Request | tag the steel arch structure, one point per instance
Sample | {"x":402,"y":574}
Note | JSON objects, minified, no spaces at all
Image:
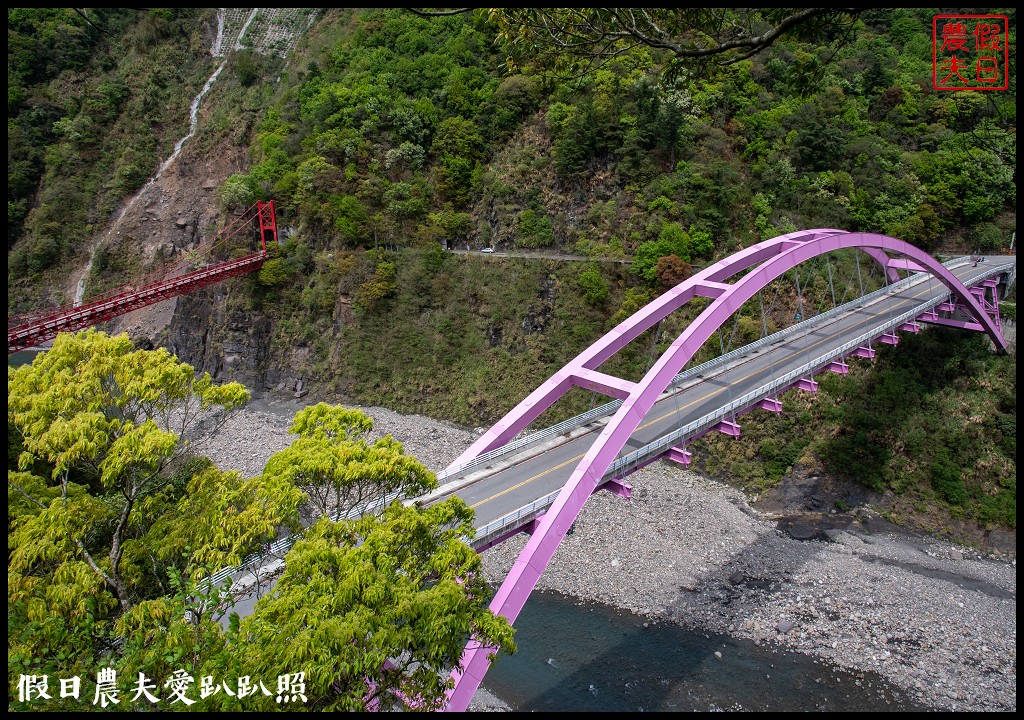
{"x":763,"y":263}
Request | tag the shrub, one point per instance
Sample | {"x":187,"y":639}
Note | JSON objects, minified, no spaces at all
{"x":594,"y":286}
{"x":274,"y":273}
{"x":43,"y":254}
{"x":534,"y":230}
{"x":946,"y":478}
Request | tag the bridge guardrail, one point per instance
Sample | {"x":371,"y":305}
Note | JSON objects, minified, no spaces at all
{"x":627,"y":464}
{"x":284,"y":544}
{"x":615,"y":470}
{"x":529,"y":440}
{"x":638,"y":456}
{"x":608,"y":408}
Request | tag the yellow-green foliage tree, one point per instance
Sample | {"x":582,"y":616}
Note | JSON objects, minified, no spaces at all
{"x":375,"y":612}
{"x":339,"y":471}
{"x":115,"y":529}
{"x":107,"y":508}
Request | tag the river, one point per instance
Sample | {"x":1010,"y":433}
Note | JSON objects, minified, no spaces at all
{"x":583,"y":656}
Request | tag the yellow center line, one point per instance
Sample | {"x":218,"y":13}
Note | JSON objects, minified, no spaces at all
{"x":529,"y":480}
{"x":669,"y":414}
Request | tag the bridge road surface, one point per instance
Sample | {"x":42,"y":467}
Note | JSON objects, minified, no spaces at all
{"x":511,"y":488}
{"x":547,"y":468}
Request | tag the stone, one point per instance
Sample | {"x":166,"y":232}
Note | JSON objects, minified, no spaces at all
{"x":785,"y":626}
{"x":688,"y":583}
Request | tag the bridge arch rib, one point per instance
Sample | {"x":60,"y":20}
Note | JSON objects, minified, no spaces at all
{"x":772,"y":259}
{"x":787,"y":250}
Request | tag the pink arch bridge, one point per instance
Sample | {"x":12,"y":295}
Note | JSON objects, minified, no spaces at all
{"x":722,"y":284}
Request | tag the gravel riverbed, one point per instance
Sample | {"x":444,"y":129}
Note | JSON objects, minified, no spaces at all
{"x":937,"y":620}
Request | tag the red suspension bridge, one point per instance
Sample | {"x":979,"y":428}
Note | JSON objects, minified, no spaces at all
{"x":240,"y":248}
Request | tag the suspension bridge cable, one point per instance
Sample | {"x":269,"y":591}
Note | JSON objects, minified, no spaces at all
{"x":764,"y":320}
{"x":799,"y":295}
{"x":229,"y":232}
{"x":846,"y":290}
{"x":831,"y":287}
{"x":860,"y":279}
{"x":735,"y":326}
{"x":654,"y":346}
{"x":771,"y":305}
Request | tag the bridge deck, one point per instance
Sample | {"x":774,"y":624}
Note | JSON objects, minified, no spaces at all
{"x":509,"y":492}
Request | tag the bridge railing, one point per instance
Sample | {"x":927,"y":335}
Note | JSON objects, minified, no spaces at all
{"x":633,"y":460}
{"x":72,"y":318}
{"x":629,"y":463}
{"x":529,"y":440}
{"x":282,"y":545}
{"x":625,"y":465}
{"x":601,"y":411}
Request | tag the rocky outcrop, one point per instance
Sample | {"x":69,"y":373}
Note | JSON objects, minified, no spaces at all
{"x":213,"y":335}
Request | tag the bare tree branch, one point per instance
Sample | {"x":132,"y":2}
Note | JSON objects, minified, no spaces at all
{"x":440,"y":13}
{"x":568,"y":37}
{"x":21,"y":490}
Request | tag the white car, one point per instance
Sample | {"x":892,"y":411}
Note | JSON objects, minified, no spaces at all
{"x":487,"y":250}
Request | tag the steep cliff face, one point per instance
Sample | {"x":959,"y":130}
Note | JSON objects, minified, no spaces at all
{"x":232,"y":344}
{"x":215,"y":331}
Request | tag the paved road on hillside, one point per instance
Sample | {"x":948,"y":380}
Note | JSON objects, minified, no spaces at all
{"x":541,"y":256}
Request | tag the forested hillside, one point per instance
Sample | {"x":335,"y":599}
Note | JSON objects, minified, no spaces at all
{"x":387,"y":138}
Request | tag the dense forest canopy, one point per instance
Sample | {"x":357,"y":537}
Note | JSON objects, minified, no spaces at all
{"x":402,"y":132}
{"x":647,"y":142}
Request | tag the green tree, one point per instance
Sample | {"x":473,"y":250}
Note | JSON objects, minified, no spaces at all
{"x":380,"y":286}
{"x":107,"y":504}
{"x":534,"y":229}
{"x":672,"y":240}
{"x":387,"y":606}
{"x":339,"y":471}
{"x":569,"y":40}
{"x":575,"y":142}
{"x":246,"y":67}
{"x":350,"y":218}
{"x":458,"y":148}
{"x":701,"y":243}
{"x":114,"y":530}
{"x":275,"y":273}
{"x":594,"y":286}
{"x":239,"y":192}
